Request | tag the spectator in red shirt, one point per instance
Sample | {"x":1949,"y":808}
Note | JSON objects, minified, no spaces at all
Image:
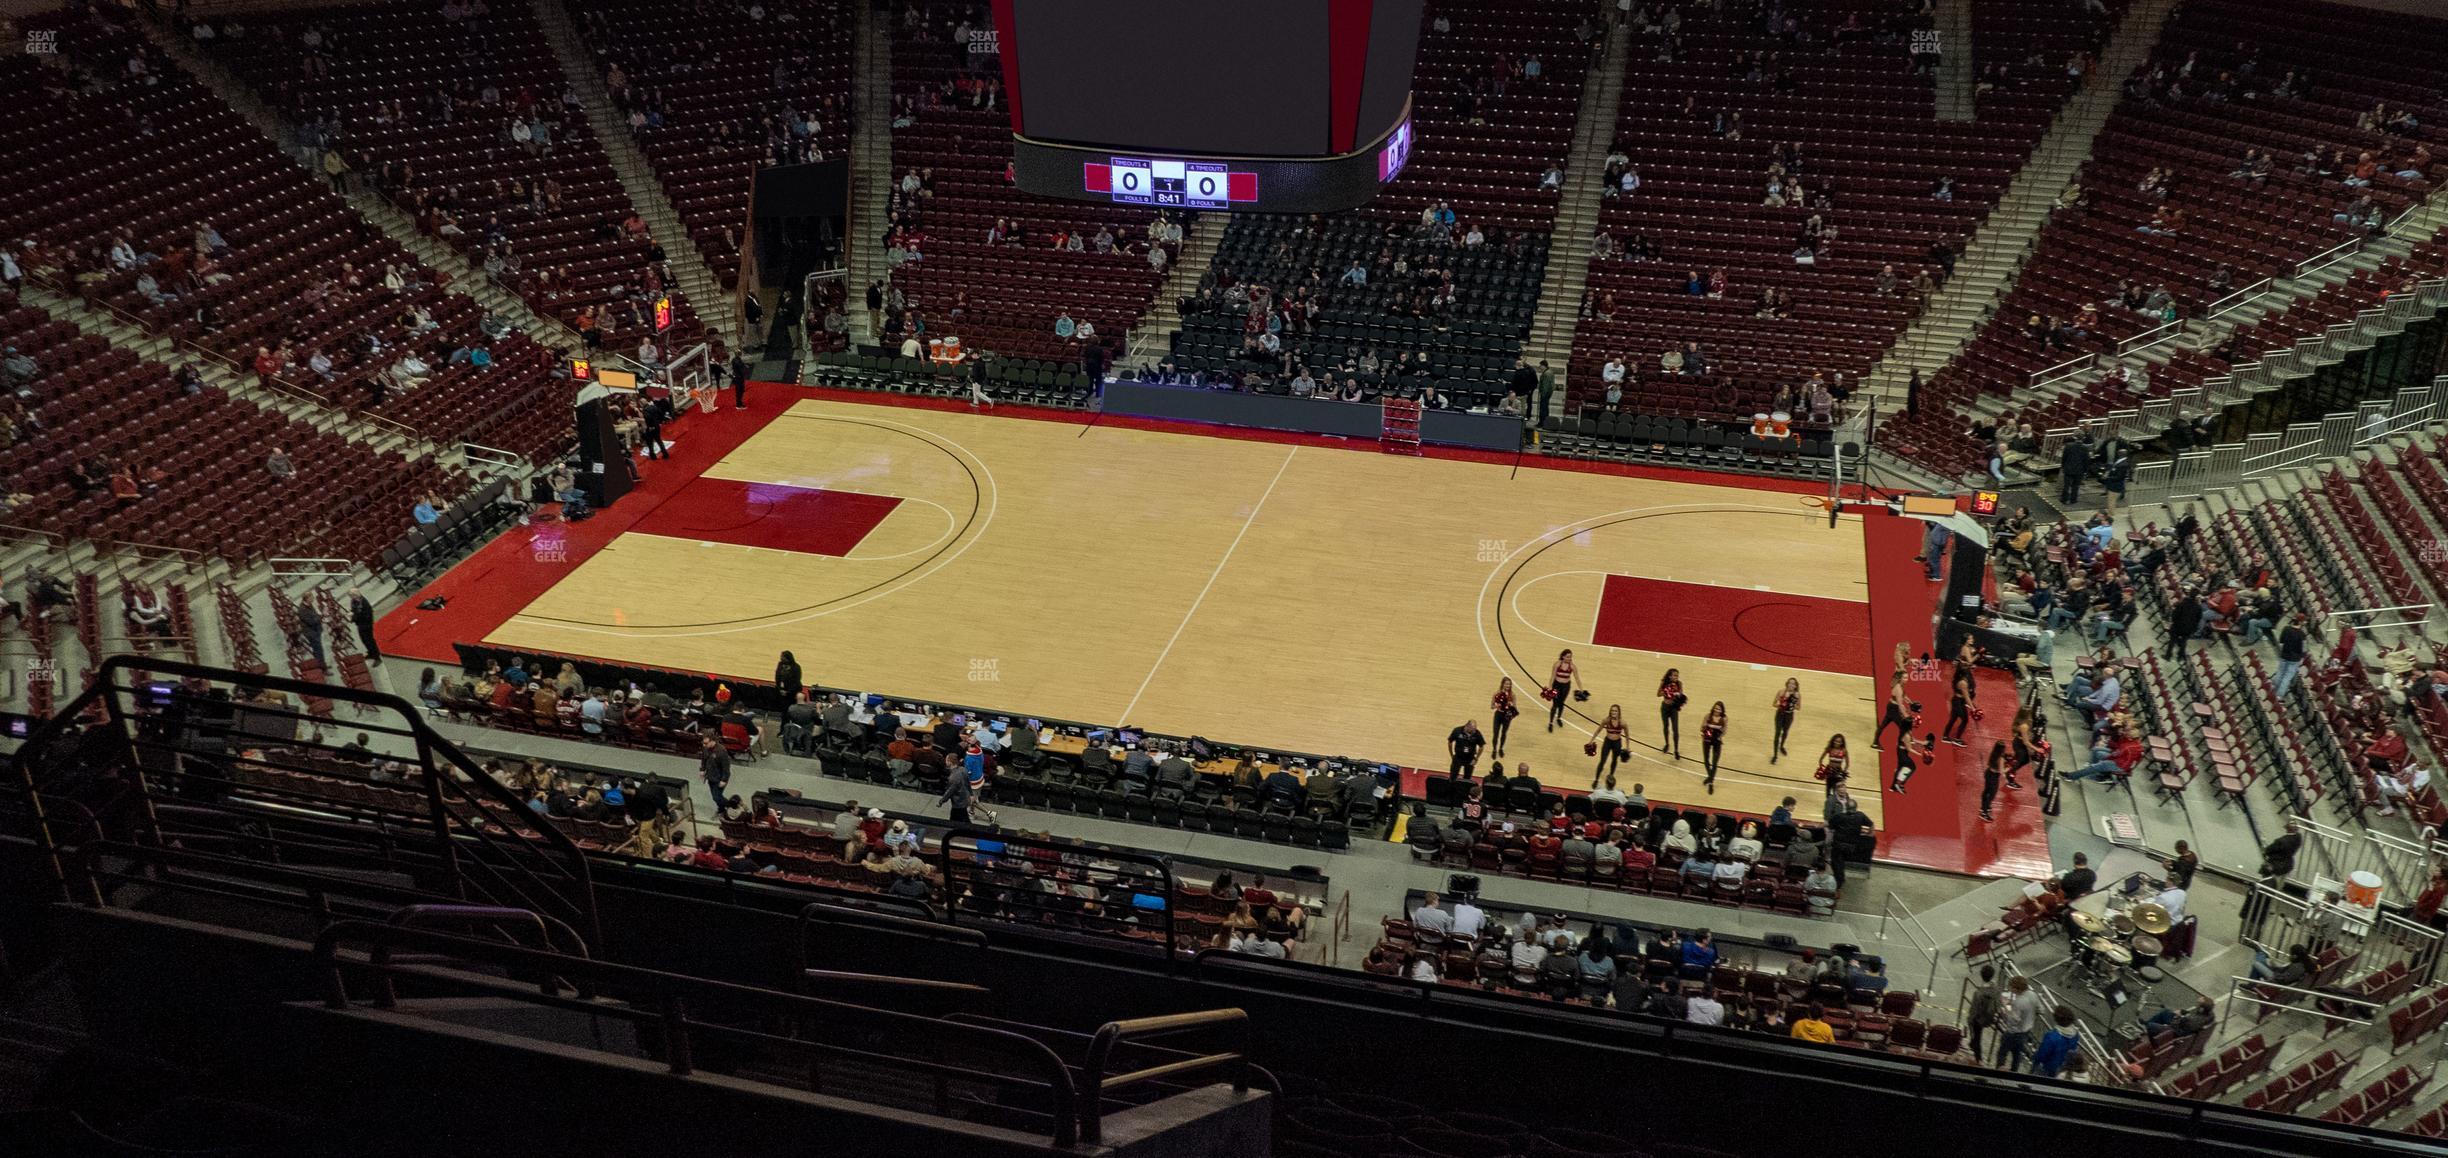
{"x":2385,"y":750}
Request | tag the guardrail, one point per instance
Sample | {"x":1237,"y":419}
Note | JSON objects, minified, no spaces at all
{"x":183,"y":738}
{"x":1918,"y":937}
{"x":300,"y":567}
{"x":477,"y":454}
{"x":1100,"y":1051}
{"x":872,"y":1037}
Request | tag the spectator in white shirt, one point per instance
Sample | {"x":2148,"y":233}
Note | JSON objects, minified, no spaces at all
{"x":1614,"y":371}
{"x":1704,"y":1009}
{"x":1468,"y":919}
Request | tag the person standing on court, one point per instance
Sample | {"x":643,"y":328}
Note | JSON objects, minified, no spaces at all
{"x":1909,"y":757}
{"x":1897,"y":715}
{"x":1670,"y":712}
{"x":650,"y":429}
{"x":1788,"y":702}
{"x":739,"y":380}
{"x":361,"y":613}
{"x":1501,"y":710}
{"x":1546,"y":393}
{"x":1560,"y":688}
{"x":1463,"y":745}
{"x":2072,"y":463}
{"x":1614,"y":743}
{"x":786,"y":677}
{"x":977,"y":382}
{"x":1959,"y":707}
{"x":1993,"y":774}
{"x":1835,"y":767}
{"x":1712,"y":743}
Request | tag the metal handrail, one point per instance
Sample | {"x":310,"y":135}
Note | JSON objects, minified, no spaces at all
{"x":435,"y":754}
{"x":1891,"y":909}
{"x":2327,"y":257}
{"x":2149,"y":337}
{"x":815,"y":912}
{"x":2237,"y":991}
{"x":1112,"y":1033}
{"x":494,"y":456}
{"x":670,"y":995}
{"x":2065,"y":369}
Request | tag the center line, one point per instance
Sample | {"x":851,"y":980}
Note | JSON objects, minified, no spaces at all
{"x":1124,"y":718}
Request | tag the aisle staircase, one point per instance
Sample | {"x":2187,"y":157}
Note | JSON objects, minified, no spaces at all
{"x":871,"y":175}
{"x":1152,"y":338}
{"x":1577,"y":210}
{"x":1955,"y":89}
{"x":398,"y":226}
{"x":2011,"y":232}
{"x":698,"y":283}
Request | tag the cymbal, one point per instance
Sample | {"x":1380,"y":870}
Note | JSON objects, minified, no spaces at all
{"x":2151,"y":918}
{"x":2087,"y":922}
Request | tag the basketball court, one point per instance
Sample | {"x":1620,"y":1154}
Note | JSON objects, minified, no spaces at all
{"x":1283,"y":592}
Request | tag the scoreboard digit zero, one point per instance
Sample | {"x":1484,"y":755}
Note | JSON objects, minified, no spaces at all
{"x":1161,"y":181}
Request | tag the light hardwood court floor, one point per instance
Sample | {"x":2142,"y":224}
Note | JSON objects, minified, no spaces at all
{"x":1298,"y":597}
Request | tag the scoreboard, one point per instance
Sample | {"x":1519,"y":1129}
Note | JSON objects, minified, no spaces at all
{"x":1162,"y":181}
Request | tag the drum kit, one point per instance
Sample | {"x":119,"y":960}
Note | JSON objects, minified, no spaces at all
{"x":2109,"y":946}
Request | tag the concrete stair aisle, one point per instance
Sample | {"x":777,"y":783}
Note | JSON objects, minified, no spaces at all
{"x":1577,"y":210}
{"x":1955,"y":90}
{"x":399,"y":227}
{"x":1152,"y":338}
{"x":380,"y":434}
{"x":697,"y":281}
{"x":871,"y":172}
{"x":2007,"y":237}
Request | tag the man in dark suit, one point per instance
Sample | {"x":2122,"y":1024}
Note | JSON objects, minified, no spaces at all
{"x":2278,"y":856}
{"x":2183,"y":620}
{"x":361,"y":613}
{"x":2072,"y":462}
{"x":739,"y":380}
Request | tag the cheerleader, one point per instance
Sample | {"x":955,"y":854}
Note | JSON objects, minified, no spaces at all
{"x":1788,"y":702}
{"x":1559,"y":687}
{"x":1670,"y":712}
{"x":1835,"y":767}
{"x":1614,"y":743}
{"x":1898,"y":716}
{"x":2026,"y":749}
{"x":1908,"y":758}
{"x":1712,"y":743}
{"x":1991,"y":775}
{"x":1500,"y":715}
{"x":1959,"y":706}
